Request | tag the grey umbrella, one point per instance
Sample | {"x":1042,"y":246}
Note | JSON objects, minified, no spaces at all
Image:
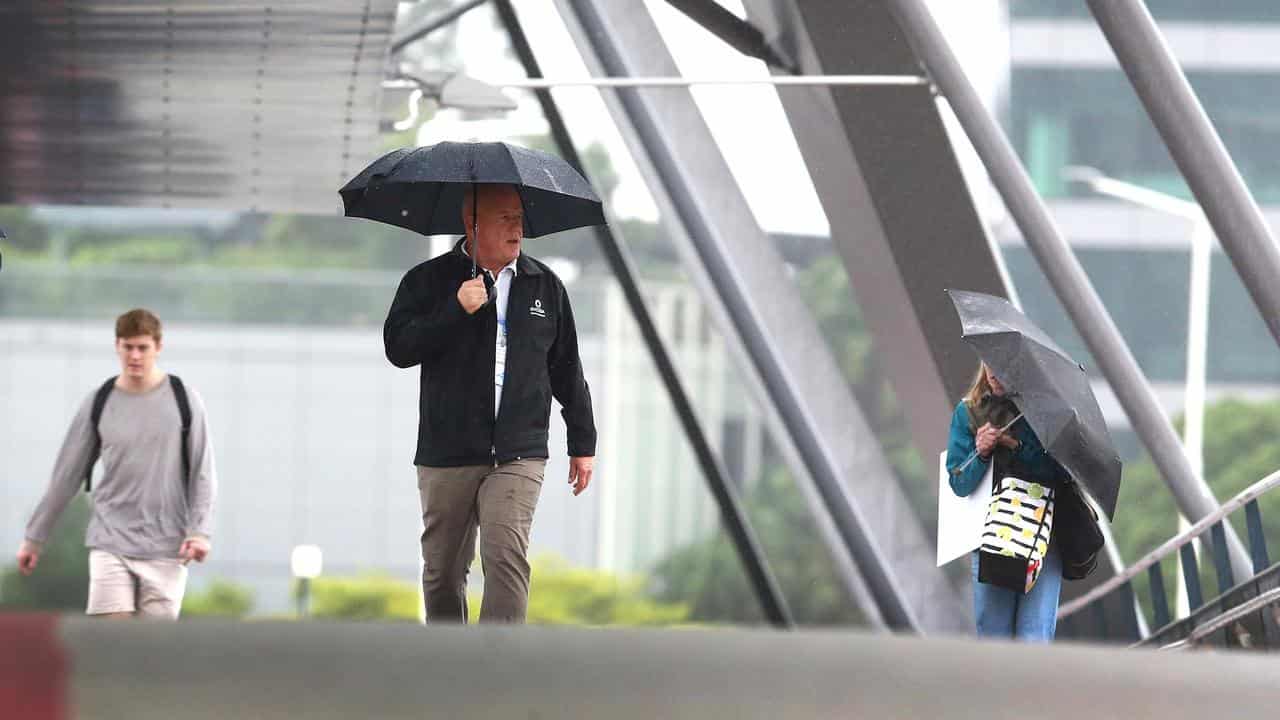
{"x":1049,"y":388}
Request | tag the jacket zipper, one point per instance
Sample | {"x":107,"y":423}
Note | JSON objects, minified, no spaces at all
{"x":493,"y":434}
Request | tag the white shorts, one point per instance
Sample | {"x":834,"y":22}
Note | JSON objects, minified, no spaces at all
{"x":150,"y":588}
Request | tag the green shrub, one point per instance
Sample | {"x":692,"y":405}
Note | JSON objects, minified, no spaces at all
{"x":564,"y":595}
{"x":221,"y":599}
{"x":366,"y":597}
{"x":61,"y":578}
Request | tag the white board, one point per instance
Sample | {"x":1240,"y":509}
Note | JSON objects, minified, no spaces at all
{"x":960,"y":519}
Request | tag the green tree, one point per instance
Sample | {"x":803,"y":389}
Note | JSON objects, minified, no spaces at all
{"x":825,"y":288}
{"x":709,"y":576}
{"x":326,"y":242}
{"x":1239,"y":450}
{"x":25,"y":232}
{"x":61,"y":579}
{"x":161,"y":249}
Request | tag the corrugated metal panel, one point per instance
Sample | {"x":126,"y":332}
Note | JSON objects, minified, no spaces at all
{"x":268,"y":106}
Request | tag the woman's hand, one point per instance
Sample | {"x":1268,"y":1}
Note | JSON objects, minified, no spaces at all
{"x":986,"y":440}
{"x":1009,"y":441}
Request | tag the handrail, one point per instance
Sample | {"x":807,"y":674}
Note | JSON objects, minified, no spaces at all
{"x":1177,"y":541}
{"x":1212,"y":610}
{"x":1223,"y":620}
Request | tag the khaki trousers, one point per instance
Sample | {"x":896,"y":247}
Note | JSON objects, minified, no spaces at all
{"x":497,"y":504}
{"x":149,"y":588}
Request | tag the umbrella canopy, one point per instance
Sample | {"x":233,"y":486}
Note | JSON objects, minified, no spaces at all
{"x":1049,"y":388}
{"x":421,"y":189}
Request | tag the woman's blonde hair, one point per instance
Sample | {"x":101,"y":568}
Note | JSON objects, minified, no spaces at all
{"x":979,"y":388}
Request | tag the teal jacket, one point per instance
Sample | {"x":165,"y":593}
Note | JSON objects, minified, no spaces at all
{"x":960,"y":445}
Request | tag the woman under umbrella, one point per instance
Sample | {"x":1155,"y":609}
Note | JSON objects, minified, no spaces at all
{"x":987,"y":429}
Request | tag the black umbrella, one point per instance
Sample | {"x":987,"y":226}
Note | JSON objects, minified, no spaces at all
{"x":421,"y":189}
{"x":1049,"y":388}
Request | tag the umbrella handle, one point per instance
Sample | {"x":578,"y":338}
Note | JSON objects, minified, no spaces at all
{"x":974,"y":455}
{"x":475,"y":226}
{"x":475,"y":239}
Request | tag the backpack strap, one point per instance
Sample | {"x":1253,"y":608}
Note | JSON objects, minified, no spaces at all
{"x":99,"y":402}
{"x":184,"y":409}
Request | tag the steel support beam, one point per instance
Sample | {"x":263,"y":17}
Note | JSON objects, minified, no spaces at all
{"x":431,"y":25}
{"x":823,"y":433}
{"x":1063,"y":270}
{"x":900,"y":213}
{"x":736,"y":523}
{"x":1196,"y":148}
{"x":736,"y":32}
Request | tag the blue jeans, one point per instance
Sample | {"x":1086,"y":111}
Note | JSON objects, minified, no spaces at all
{"x":1008,"y":614}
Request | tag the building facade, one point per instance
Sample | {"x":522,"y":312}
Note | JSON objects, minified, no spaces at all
{"x":1070,"y":105}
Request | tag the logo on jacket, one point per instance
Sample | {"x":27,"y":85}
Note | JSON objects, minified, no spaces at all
{"x":536,"y":309}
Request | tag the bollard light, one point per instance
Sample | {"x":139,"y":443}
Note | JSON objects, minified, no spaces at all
{"x":306,"y":562}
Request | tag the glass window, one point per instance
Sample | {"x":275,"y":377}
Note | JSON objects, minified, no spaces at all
{"x":1075,"y":116}
{"x":1228,"y":11}
{"x":1146,"y":293}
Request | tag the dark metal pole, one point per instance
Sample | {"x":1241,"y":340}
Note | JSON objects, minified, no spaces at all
{"x":1060,"y":266}
{"x":432,"y":25}
{"x":304,"y":598}
{"x":1196,"y":148}
{"x":736,"y":32}
{"x":1159,"y":598}
{"x":1257,"y":537}
{"x":801,"y":384}
{"x":732,"y":513}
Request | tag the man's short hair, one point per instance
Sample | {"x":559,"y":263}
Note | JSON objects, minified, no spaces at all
{"x":137,"y":322}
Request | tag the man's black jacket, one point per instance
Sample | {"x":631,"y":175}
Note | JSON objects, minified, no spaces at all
{"x":426,"y":326}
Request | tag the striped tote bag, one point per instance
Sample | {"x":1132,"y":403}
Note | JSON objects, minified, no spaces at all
{"x":1015,"y":536}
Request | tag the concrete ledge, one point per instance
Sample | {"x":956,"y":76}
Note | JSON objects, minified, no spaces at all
{"x":196,"y":670}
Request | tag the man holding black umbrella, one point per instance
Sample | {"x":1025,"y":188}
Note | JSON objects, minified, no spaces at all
{"x":494,"y":348}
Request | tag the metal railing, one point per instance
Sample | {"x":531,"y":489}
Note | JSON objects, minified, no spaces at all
{"x":1224,"y":613}
{"x":1231,"y":618}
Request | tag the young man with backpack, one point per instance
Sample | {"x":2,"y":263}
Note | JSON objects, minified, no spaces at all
{"x":153,"y":503}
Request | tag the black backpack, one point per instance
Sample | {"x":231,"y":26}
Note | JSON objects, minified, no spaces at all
{"x":184,"y":409}
{"x":1079,"y":538}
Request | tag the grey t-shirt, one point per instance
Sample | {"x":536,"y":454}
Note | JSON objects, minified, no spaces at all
{"x":140,"y":507}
